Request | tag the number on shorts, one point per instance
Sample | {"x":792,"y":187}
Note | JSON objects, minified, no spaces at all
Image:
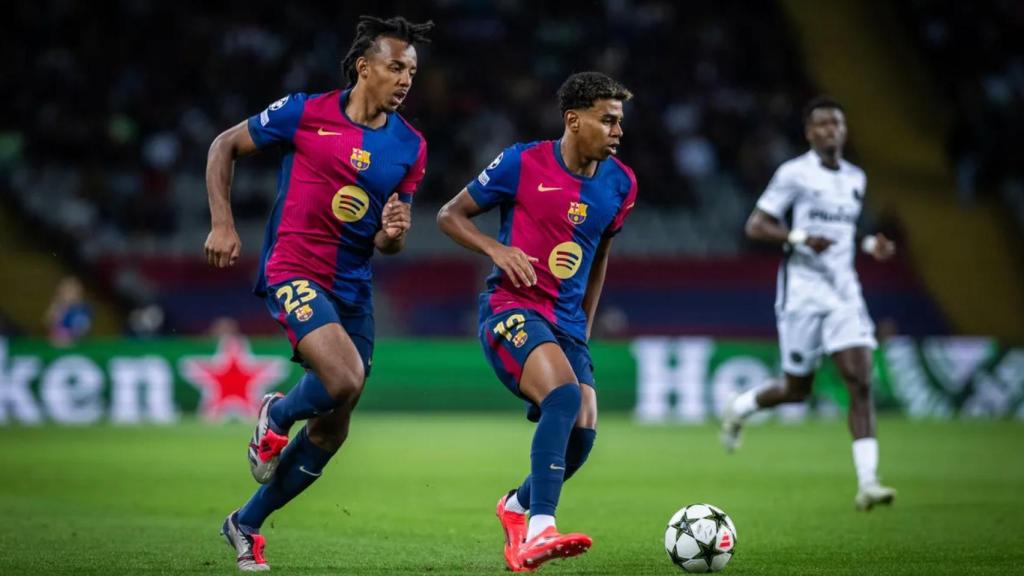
{"x":289,"y":291}
{"x":507,"y":327}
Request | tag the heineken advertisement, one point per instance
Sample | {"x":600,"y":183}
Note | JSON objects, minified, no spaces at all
{"x":657,"y":379}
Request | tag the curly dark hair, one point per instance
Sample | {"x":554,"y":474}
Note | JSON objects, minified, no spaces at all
{"x":582,"y":89}
{"x":370,"y":28}
{"x":819,"y":102}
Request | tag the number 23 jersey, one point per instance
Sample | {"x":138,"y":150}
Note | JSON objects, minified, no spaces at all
{"x":335,"y":178}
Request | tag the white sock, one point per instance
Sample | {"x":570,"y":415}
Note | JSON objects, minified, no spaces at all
{"x":746,"y":403}
{"x":538,"y":524}
{"x":512,"y":504}
{"x":865,"y":460}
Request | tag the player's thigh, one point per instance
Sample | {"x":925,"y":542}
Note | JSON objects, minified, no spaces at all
{"x":545,"y":369}
{"x":800,"y":342}
{"x":316,"y":328}
{"x":854,"y":365}
{"x":509,"y":338}
{"x":333,"y":356}
{"x":300,"y":307}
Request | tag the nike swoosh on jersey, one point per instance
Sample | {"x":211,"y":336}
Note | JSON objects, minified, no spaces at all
{"x":323,"y":132}
{"x":542,"y":188}
{"x":553,"y":467}
{"x":303,"y":469}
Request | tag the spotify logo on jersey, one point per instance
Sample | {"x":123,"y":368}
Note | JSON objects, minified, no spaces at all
{"x":565,"y":260}
{"x":350,"y":203}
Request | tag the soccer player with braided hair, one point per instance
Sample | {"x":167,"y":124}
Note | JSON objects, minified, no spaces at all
{"x":350,"y":166}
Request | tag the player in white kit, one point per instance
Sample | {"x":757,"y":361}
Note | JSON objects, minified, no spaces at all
{"x":819,"y":307}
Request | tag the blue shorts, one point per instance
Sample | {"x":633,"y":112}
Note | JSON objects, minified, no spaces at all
{"x":508,"y":338}
{"x":301,"y":306}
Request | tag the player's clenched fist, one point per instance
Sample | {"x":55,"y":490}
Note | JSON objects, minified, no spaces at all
{"x":882,"y":248}
{"x":516,"y":264}
{"x":223,"y":246}
{"x":819,"y":243}
{"x":396,"y":217}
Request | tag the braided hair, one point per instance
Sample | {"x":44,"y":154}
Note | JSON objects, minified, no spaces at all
{"x":370,"y":28}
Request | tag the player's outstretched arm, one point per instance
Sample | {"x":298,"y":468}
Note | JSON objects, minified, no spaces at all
{"x":595,"y":283}
{"x":455,"y":220}
{"x":223,"y":246}
{"x":764,"y":227}
{"x":395,"y":221}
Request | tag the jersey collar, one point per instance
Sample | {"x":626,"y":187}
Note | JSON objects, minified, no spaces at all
{"x":557,"y":148}
{"x":343,"y":100}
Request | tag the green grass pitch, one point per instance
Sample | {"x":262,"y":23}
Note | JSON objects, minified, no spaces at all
{"x":415,"y":494}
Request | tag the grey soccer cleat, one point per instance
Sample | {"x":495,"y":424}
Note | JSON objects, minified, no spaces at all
{"x":732,"y":425}
{"x":248,"y":544}
{"x":266,"y":445}
{"x":874,"y":493}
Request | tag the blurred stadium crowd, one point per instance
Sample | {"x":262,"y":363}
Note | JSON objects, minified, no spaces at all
{"x":104,"y":142}
{"x":120,"y":105}
{"x":976,"y":54}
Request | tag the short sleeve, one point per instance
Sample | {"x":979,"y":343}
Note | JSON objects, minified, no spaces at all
{"x":407,"y":187}
{"x":780,"y":193}
{"x":625,"y":208}
{"x":278,"y":122}
{"x":499,"y":181}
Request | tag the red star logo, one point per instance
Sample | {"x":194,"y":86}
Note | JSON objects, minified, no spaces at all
{"x":233,"y":380}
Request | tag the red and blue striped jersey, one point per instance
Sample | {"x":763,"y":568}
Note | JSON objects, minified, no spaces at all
{"x":557,"y":217}
{"x":335,"y":178}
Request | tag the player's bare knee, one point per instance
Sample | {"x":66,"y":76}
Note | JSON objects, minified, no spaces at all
{"x":797,"y":388}
{"x":587,"y":417}
{"x":859,"y":388}
{"x":797,"y":394}
{"x":345,"y":383}
{"x":858,"y":383}
{"x":350,"y":386}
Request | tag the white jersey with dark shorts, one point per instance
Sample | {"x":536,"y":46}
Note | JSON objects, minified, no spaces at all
{"x":818,"y":306}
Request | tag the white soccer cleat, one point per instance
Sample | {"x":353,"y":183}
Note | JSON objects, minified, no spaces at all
{"x":266,"y":445}
{"x":732,"y":425}
{"x":874,"y":493}
{"x":248,"y":545}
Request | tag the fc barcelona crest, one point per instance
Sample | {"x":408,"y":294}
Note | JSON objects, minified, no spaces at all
{"x":519,"y":339}
{"x":305,"y":312}
{"x":360,"y":159}
{"x":577,"y":212}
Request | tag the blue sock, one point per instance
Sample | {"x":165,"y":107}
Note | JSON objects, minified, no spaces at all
{"x":301,"y":464}
{"x":306,"y":399}
{"x":581,"y":441}
{"x":547,"y":454}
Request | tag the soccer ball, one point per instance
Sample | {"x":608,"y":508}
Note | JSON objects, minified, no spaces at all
{"x":700,"y":538}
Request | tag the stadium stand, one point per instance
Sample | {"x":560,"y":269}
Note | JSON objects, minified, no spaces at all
{"x":109,"y":141}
